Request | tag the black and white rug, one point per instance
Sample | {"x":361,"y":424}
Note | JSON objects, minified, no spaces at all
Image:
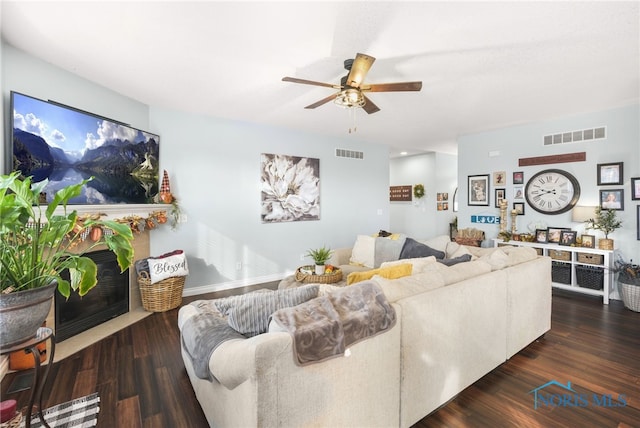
{"x":79,"y":413}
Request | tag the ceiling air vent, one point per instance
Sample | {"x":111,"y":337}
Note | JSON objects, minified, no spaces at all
{"x":352,"y":154}
{"x":576,"y":136}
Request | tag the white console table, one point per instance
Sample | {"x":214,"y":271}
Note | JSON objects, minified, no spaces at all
{"x":567,"y":258}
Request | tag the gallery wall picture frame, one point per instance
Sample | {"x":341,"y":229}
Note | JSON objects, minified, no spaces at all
{"x":567,"y":237}
{"x":612,"y":199}
{"x":519,"y":207}
{"x":553,"y":234}
{"x":518,"y":193}
{"x":638,"y":222}
{"x":499,"y":195}
{"x":499,"y":178}
{"x":518,"y":177}
{"x":478,"y":190}
{"x":610,"y":173}
{"x":541,"y":236}
{"x":588,"y":241}
{"x":635,"y":188}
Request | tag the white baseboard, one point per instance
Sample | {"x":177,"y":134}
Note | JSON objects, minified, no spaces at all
{"x":203,"y":289}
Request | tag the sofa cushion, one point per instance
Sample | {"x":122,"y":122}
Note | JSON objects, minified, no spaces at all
{"x":388,"y":249}
{"x":412,"y":249}
{"x":496,"y":258}
{"x":396,"y":289}
{"x":419,"y":264}
{"x":456,"y":250}
{"x":363,"y":253}
{"x":392,"y":272}
{"x":250,"y":314}
{"x":439,"y":243}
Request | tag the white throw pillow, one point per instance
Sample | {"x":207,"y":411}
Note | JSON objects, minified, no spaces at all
{"x":364,"y":251}
{"x":167,"y":267}
{"x":455,"y":250}
{"x":419,"y":264}
{"x":438,"y":243}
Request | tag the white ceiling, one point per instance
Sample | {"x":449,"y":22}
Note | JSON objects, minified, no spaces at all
{"x":484,"y":65}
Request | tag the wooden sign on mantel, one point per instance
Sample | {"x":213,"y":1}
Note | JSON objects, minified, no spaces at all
{"x":545,"y":160}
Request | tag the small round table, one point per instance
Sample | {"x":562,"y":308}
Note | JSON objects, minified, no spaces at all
{"x":39,"y":379}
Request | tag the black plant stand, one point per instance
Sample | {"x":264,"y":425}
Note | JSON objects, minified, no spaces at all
{"x":40,"y":373}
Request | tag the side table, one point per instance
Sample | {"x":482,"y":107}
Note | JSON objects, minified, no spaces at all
{"x":40,"y":373}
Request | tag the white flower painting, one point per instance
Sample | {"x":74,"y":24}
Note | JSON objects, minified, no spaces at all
{"x":290,"y":188}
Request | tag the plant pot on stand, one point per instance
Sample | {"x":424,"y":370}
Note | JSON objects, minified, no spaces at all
{"x":22,"y":313}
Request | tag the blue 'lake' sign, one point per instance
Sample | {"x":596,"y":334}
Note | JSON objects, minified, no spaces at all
{"x":489,"y":219}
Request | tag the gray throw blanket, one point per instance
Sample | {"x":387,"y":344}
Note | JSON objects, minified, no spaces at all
{"x":324,"y":327}
{"x":201,"y":335}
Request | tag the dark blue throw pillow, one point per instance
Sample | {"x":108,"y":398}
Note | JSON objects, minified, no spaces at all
{"x":413,"y":249}
{"x":456,"y":260}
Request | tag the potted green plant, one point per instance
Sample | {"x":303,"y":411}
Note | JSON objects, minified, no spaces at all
{"x":39,"y":242}
{"x":606,"y":221}
{"x":320,"y":257}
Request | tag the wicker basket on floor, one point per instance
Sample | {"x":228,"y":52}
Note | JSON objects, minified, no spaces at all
{"x":162,"y":295}
{"x":630,"y":295}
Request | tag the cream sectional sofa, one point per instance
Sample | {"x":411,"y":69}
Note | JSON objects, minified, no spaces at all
{"x":454,"y":325}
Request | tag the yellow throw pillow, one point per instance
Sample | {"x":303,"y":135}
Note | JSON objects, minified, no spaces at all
{"x":392,"y":272}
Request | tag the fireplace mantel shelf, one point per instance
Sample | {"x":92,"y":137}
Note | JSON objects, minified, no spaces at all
{"x":117,"y":210}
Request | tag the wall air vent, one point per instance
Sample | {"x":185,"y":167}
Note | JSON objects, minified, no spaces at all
{"x":352,"y":154}
{"x":584,"y":135}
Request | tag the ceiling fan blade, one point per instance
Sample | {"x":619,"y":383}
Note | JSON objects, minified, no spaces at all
{"x":322,"y":101}
{"x":359,"y":69}
{"x":369,"y":106}
{"x":393,"y":87}
{"x":309,"y":82}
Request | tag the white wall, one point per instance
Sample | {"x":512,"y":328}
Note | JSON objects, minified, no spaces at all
{"x":214,"y":168}
{"x":621,"y":145}
{"x":420,"y":218}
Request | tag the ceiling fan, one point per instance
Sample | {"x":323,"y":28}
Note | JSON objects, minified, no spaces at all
{"x":352,"y":86}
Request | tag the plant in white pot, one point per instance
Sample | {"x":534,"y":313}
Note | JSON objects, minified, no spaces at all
{"x":606,"y":221}
{"x":39,"y":242}
{"x":320,"y":257}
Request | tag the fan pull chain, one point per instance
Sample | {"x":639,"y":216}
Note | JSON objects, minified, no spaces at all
{"x":352,"y":113}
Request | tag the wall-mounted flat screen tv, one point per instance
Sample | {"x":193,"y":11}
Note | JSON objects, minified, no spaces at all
{"x":65,"y":145}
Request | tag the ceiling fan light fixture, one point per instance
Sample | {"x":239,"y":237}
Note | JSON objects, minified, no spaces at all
{"x":349,"y":98}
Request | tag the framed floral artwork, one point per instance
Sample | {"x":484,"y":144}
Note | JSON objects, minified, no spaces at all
{"x":289,"y":188}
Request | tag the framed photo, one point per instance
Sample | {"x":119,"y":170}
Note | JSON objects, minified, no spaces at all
{"x":499,"y":196}
{"x":541,"y":235}
{"x":567,"y":237}
{"x":610,"y":173}
{"x":518,"y":177}
{"x":553,"y":234}
{"x":519,"y":207}
{"x":612,"y":199}
{"x":478,"y":188}
{"x":588,"y":241}
{"x":638,"y":222}
{"x":499,"y":178}
{"x":635,"y":188}
{"x":518,"y":194}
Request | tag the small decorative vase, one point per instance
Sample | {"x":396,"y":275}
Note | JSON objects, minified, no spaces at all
{"x":605,"y":244}
{"x":319,"y":269}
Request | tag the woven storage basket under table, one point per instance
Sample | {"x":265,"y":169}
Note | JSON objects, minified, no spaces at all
{"x":162,"y":295}
{"x":326,"y":278}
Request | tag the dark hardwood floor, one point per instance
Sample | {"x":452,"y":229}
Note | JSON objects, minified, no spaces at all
{"x":141,"y":380}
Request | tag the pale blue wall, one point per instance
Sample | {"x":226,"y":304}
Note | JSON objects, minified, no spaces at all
{"x":438,"y":173}
{"x":621,"y":145}
{"x":214,"y":167}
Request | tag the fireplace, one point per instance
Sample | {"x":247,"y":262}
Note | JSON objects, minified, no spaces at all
{"x":108,"y":299}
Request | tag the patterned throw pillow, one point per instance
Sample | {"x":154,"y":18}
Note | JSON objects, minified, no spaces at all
{"x":250,"y":314}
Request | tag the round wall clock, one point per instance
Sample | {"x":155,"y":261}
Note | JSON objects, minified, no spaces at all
{"x":552,"y":191}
